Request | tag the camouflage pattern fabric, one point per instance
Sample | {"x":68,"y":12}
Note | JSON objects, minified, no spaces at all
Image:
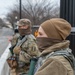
{"x":24,"y":22}
{"x":14,"y":39}
{"x":29,"y":50}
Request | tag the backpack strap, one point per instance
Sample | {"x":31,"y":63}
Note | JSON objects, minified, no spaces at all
{"x":21,"y":41}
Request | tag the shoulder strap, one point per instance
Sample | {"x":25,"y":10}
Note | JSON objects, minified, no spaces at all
{"x":21,"y":42}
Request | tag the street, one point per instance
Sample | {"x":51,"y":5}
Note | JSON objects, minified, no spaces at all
{"x":5,"y":36}
{"x":3,"y":44}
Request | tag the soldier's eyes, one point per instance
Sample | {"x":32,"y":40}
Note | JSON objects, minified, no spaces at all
{"x":19,"y":26}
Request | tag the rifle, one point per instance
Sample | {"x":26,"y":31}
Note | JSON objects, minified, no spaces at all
{"x":11,"y":49}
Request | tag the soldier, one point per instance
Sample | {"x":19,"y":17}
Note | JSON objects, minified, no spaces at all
{"x":56,"y":57}
{"x":25,"y":48}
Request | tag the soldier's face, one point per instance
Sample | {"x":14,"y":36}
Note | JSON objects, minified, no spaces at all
{"x":23,"y":27}
{"x":24,"y":30}
{"x":41,"y":32}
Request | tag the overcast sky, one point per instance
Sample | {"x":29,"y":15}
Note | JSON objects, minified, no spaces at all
{"x":6,"y":4}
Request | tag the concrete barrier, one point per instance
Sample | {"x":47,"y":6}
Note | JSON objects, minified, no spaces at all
{"x":4,"y":68}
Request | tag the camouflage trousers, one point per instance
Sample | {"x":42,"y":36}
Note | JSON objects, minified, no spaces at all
{"x":23,"y":71}
{"x":13,"y":72}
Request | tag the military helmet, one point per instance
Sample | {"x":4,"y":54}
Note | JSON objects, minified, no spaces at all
{"x":24,"y":22}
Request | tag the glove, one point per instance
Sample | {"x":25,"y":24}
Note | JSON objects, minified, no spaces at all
{"x":16,"y":50}
{"x":12,"y":62}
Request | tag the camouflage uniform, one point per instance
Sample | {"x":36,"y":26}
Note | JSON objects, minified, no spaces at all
{"x":14,"y":39}
{"x":29,"y":50}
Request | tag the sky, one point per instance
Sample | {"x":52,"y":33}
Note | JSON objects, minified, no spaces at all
{"x":4,"y":6}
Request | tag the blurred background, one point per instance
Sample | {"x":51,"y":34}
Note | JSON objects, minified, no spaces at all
{"x":37,"y":11}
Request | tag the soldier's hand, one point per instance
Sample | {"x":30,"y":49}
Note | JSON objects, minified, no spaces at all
{"x":17,"y":50}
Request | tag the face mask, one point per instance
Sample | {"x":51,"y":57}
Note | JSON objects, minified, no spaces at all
{"x":44,"y":42}
{"x":24,"y":31}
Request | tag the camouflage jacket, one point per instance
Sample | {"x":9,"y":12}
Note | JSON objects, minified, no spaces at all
{"x":15,"y":38}
{"x":29,"y":50}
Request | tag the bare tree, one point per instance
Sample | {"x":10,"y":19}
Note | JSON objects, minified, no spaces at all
{"x":36,"y":10}
{"x":2,"y":23}
{"x":13,"y":15}
{"x":39,"y":11}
